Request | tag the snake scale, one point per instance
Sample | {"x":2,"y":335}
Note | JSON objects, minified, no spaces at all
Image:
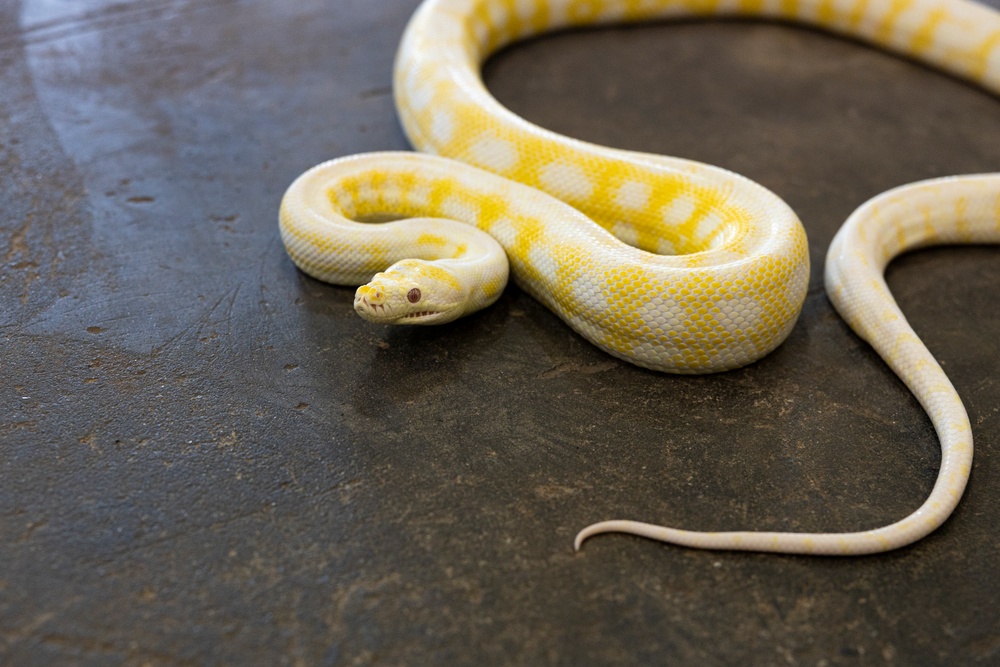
{"x":667,"y":263}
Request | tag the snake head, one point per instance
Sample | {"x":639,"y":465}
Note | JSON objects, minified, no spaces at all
{"x":412,"y":291}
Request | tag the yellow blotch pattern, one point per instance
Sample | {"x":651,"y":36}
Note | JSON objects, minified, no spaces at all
{"x":733,"y":288}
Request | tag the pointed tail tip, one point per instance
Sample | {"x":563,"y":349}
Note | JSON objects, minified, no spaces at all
{"x":620,"y":526}
{"x":590,"y":531}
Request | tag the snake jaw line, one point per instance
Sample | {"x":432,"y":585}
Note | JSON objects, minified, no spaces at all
{"x":426,"y":313}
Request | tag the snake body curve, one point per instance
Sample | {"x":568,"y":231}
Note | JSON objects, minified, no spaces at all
{"x":667,"y":263}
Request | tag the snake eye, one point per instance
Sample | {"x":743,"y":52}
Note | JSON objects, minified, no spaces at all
{"x":413,"y":295}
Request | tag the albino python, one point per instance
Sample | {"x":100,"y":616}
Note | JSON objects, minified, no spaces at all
{"x":666,"y":263}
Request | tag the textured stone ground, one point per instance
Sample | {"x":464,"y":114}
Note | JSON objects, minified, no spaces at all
{"x":207,"y":458}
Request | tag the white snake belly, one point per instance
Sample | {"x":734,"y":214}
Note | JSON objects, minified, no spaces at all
{"x":713,"y":268}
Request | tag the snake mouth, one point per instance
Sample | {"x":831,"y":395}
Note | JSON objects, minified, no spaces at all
{"x":381,"y":313}
{"x":424,"y":317}
{"x":377,"y":313}
{"x":424,"y":313}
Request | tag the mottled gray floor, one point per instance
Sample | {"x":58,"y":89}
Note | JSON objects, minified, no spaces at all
{"x":207,"y":459}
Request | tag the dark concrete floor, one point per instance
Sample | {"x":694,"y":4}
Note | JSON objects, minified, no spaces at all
{"x":208,"y":459}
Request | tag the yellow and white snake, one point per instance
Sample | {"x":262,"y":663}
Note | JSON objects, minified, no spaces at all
{"x":666,"y":263}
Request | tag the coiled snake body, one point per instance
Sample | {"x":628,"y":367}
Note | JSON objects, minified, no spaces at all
{"x":670,"y":264}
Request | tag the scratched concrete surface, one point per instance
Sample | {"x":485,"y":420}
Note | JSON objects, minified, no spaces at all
{"x":208,"y":459}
